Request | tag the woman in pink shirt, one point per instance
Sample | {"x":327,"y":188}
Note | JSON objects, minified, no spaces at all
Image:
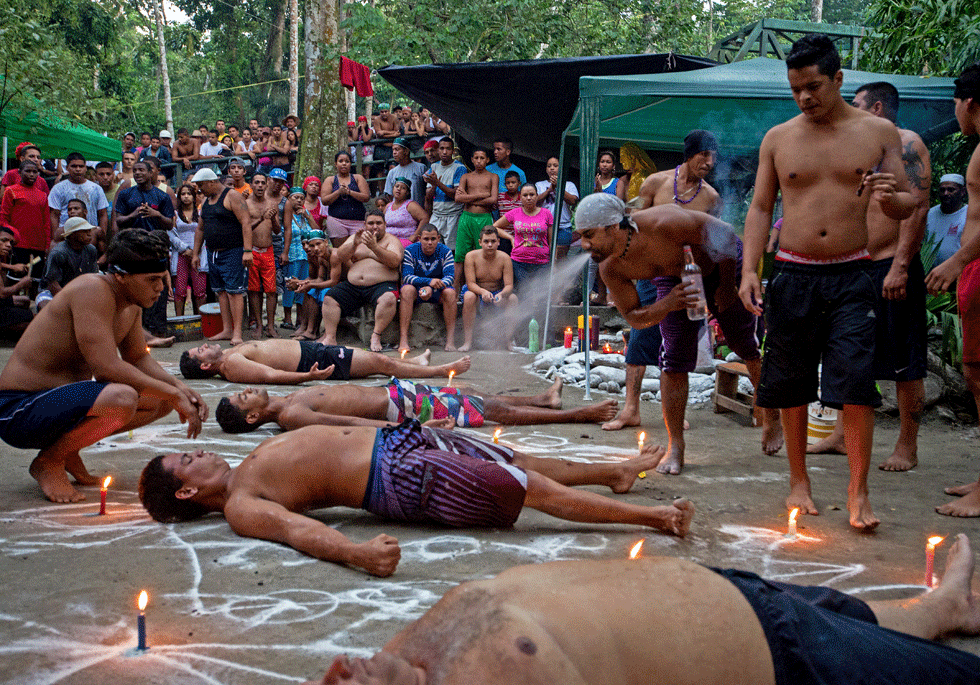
{"x":530,"y":228}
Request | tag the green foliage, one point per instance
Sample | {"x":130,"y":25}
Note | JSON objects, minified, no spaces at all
{"x":941,"y":311}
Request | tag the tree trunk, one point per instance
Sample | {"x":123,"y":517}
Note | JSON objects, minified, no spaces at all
{"x":293,"y":56}
{"x":324,"y":125}
{"x":168,"y":110}
{"x":816,"y":11}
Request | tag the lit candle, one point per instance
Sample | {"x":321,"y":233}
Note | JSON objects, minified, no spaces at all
{"x":930,"y":553}
{"x":635,"y":550}
{"x":451,"y":374}
{"x":607,"y":348}
{"x":568,"y":338}
{"x":496,"y":436}
{"x":639,"y":444}
{"x":791,"y":533}
{"x":105,"y":486}
{"x":141,"y":622}
{"x":147,"y":349}
{"x":404,"y":352}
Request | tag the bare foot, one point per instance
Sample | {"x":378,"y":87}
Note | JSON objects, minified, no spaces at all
{"x":626,"y":417}
{"x":255,"y":334}
{"x":902,"y":459}
{"x":235,"y":342}
{"x":862,"y":517}
{"x":376,"y":345}
{"x":466,"y":347}
{"x":553,"y":394}
{"x":403,"y":346}
{"x":829,"y":445}
{"x":597,"y":413}
{"x":800,"y":498}
{"x":299,"y":335}
{"x":223,"y":335}
{"x":154,"y":341}
{"x":961,"y":611}
{"x":962,"y":489}
{"x":673,"y":460}
{"x":76,"y":469}
{"x":450,"y":346}
{"x":271,"y":331}
{"x":461,"y":365}
{"x":967,"y":506}
{"x":772,"y":432}
{"x":423,"y":359}
{"x":676,"y":518}
{"x":53,"y":479}
{"x":629,"y":470}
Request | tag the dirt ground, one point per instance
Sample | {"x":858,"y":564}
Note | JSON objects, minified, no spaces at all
{"x":225,"y":609}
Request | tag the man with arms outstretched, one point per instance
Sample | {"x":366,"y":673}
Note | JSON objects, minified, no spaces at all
{"x":288,"y":362}
{"x":82,"y":371}
{"x":590,"y":623}
{"x":828,"y":163}
{"x":649,"y":244}
{"x":900,"y":340}
{"x":355,"y":405}
{"x":406,"y":473}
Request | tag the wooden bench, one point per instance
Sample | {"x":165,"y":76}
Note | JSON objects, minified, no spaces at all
{"x":727,"y":396}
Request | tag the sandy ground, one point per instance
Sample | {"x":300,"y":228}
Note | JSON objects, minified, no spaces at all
{"x":225,"y":609}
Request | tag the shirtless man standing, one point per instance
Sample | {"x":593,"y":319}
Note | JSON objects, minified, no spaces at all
{"x":965,"y":266}
{"x":828,"y":162}
{"x":528,"y":625}
{"x":900,"y":341}
{"x":477,"y":192}
{"x":489,"y":281}
{"x":66,"y":386}
{"x":185,"y":150}
{"x":374,"y":469}
{"x":685,"y":187}
{"x":288,"y":362}
{"x":355,"y":405}
{"x":374,"y":259}
{"x":264,"y":213}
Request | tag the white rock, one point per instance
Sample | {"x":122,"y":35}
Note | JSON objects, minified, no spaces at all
{"x":705,"y":370}
{"x":572,"y":372}
{"x":576,"y":358}
{"x":607,"y":373}
{"x":647,"y":396}
{"x":613,"y":387}
{"x":594,"y":381}
{"x":732,"y":357}
{"x":652,"y":372}
{"x":698,"y":382}
{"x":616,"y":361}
{"x":604,"y":386}
{"x":650,"y":385}
{"x":551,"y":357}
{"x":745,"y":386}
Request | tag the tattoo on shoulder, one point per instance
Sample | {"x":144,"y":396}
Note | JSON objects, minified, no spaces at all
{"x":914,"y":167}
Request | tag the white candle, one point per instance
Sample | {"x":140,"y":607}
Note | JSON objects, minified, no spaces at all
{"x":639,"y":444}
{"x":791,"y":533}
{"x":930,"y":553}
{"x":451,"y":374}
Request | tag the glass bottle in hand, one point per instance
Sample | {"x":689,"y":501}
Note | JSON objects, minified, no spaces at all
{"x":692,"y":276}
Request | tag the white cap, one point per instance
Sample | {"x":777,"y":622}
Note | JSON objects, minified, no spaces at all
{"x":165,"y":134}
{"x":204,"y":175}
{"x":76,"y":223}
{"x":953,"y":178}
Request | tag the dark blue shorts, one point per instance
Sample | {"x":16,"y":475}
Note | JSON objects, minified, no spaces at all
{"x":226,"y":272}
{"x":817,"y":635}
{"x":36,"y":420}
{"x":352,"y":297}
{"x":323,"y":356}
{"x":819,"y":314}
{"x":644,"y":344}
{"x":900,"y":337}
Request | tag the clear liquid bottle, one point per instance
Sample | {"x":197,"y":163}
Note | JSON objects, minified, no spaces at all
{"x":692,"y":275}
{"x":533,"y":342}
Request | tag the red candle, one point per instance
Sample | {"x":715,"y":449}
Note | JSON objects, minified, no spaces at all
{"x":105,"y":486}
{"x":568,"y":338}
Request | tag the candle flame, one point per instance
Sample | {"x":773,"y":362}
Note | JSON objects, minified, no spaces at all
{"x":635,"y":550}
{"x":105,"y":483}
{"x":147,"y":349}
{"x":496,"y":433}
{"x":143,"y":600}
{"x":793,"y":514}
{"x":935,"y":540}
{"x":404,"y":352}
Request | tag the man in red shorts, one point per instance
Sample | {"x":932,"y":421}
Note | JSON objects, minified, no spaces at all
{"x":965,"y":265}
{"x":264,"y":214}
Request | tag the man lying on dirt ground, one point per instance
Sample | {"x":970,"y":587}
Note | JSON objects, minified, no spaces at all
{"x":406,"y":473}
{"x":591,"y":623}
{"x":288,"y":362}
{"x":355,"y":405}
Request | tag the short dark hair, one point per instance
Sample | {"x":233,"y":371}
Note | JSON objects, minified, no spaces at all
{"x":512,"y":174}
{"x":138,"y":245}
{"x":23,"y":150}
{"x":27,"y":163}
{"x":886,"y":94}
{"x":213,"y":130}
{"x":191,"y":368}
{"x":182,"y":129}
{"x":257,"y":173}
{"x":151,"y":161}
{"x":488,"y":230}
{"x":341,"y":153}
{"x":79,"y":201}
{"x":103,"y":165}
{"x":815,"y":49}
{"x":72,"y":156}
{"x":504,"y":140}
{"x":232,"y":419}
{"x":480,"y":148}
{"x":968,"y":84}
{"x":158,"y":492}
{"x":374,"y":211}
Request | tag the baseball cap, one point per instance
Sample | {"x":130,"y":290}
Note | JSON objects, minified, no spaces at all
{"x":278,"y":174}
{"x":400,"y":141}
{"x":236,"y":161}
{"x":429,"y":144}
{"x":204,"y":175}
{"x":165,"y":134}
{"x":77,"y":223}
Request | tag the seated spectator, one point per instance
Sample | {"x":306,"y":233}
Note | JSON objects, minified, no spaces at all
{"x":406,"y":168}
{"x":945,"y":221}
{"x":25,"y":209}
{"x":156,"y":148}
{"x":72,"y":257}
{"x":186,"y":220}
{"x":211,"y":149}
{"x":547,"y":199}
{"x":373,"y":259}
{"x":531,"y":237}
{"x":325,"y":271}
{"x":344,"y":195}
{"x":489,"y":282}
{"x":245,"y":148}
{"x":15,"y":313}
{"x":403,"y":215}
{"x":428,"y":273}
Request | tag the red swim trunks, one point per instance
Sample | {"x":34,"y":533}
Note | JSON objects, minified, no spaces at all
{"x":968,"y":300}
{"x":262,"y":272}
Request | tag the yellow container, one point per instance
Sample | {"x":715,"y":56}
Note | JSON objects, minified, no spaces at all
{"x":820,"y":422}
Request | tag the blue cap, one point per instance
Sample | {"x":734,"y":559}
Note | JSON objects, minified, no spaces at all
{"x":278,"y":174}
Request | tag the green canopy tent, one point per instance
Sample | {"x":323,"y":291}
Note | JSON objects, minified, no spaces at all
{"x":55,"y":134}
{"x":737,"y":102}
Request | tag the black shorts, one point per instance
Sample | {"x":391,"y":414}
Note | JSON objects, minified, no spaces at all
{"x":818,"y":635}
{"x":352,"y":297}
{"x":323,"y":356}
{"x":900,"y":338}
{"x":819,"y":315}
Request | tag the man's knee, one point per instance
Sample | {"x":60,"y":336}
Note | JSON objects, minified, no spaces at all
{"x":118,"y":395}
{"x":386,"y":300}
{"x":448,"y":295}
{"x":409,"y":293}
{"x":469,"y":297}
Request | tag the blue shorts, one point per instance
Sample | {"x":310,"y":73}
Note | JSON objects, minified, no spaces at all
{"x":479,"y":300}
{"x":644,"y":343}
{"x":226,"y":271}
{"x":564,"y":237}
{"x":37,"y":419}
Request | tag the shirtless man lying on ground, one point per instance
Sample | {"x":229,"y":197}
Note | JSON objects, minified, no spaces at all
{"x":82,"y":371}
{"x":379,"y":469}
{"x":288,"y":362}
{"x":543,"y":624}
{"x":355,"y":405}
